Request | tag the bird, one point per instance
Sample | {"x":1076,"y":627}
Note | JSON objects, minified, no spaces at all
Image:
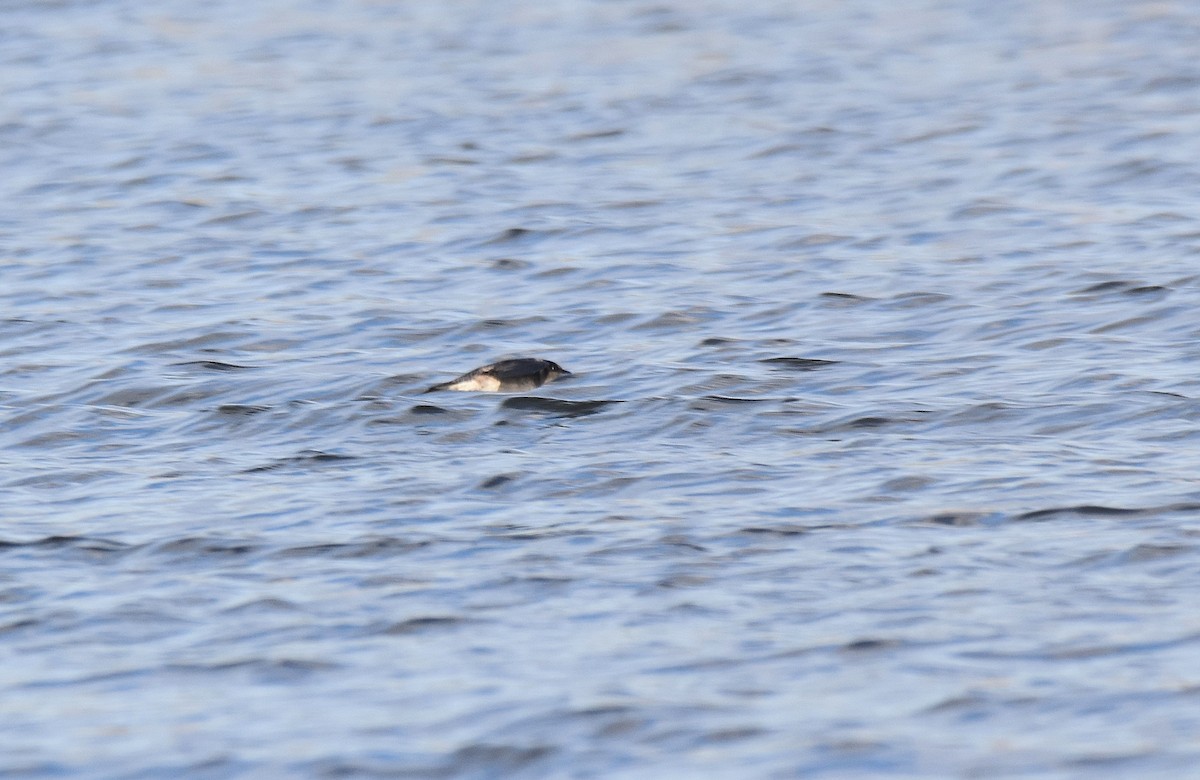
{"x":506,"y":376}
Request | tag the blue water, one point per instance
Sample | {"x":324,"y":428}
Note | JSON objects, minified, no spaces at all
{"x":876,"y":458}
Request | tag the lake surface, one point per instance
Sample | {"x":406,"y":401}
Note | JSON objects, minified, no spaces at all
{"x":876,"y":462}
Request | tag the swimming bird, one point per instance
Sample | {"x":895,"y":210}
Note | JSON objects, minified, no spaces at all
{"x":506,"y":376}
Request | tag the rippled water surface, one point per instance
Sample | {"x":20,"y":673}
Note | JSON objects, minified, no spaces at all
{"x":879,"y":460}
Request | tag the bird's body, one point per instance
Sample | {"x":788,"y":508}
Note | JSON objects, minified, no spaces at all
{"x":506,"y":376}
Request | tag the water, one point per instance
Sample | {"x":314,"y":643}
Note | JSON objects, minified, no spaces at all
{"x":876,"y":462}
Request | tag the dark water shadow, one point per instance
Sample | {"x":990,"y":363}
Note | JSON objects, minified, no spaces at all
{"x":556,"y":406}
